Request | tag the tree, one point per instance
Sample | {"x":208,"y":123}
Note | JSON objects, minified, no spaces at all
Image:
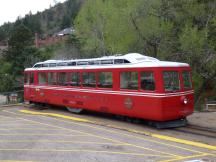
{"x":90,"y":25}
{"x":6,"y":79}
{"x":20,"y":54}
{"x":66,"y":22}
{"x":33,"y":23}
{"x":176,"y":30}
{"x":122,"y":26}
{"x":5,"y":31}
{"x":21,"y":38}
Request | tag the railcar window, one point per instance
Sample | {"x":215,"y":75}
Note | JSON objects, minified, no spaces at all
{"x":26,"y":78}
{"x":62,"y":78}
{"x":97,"y":62}
{"x":62,"y":64}
{"x":105,"y":80}
{"x":71,"y":64}
{"x":89,"y":79}
{"x":106,"y":61}
{"x":120,"y":61}
{"x":147,"y":81}
{"x":171,"y":81}
{"x":52,"y":78}
{"x":38,"y":65}
{"x":82,"y":63}
{"x":129,"y":80}
{"x":94,"y":62}
{"x":74,"y":79}
{"x":31,"y":78}
{"x":42,"y":78}
{"x":187,"y":80}
{"x":52,"y":64}
{"x":45,"y":65}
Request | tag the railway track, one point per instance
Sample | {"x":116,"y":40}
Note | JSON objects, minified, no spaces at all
{"x":198,"y":130}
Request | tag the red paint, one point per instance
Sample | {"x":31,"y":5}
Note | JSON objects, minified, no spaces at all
{"x":155,"y":105}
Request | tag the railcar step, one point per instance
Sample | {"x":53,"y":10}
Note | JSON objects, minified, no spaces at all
{"x":168,"y":124}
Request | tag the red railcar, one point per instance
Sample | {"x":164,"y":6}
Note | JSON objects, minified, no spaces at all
{"x":131,"y":85}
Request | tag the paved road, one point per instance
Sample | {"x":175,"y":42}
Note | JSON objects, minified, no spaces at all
{"x":26,"y":137}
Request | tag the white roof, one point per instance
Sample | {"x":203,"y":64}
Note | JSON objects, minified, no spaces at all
{"x":135,"y":59}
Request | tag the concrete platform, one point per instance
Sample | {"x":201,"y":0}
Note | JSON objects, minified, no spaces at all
{"x":204,"y":119}
{"x":47,"y":136}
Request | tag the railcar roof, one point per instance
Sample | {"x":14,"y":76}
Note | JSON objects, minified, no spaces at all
{"x":131,"y":60}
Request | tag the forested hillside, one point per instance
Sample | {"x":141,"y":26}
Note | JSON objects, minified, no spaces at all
{"x":47,"y":22}
{"x":174,"y":30}
{"x":18,"y":37}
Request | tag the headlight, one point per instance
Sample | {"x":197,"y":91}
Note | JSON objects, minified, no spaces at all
{"x":185,"y":101}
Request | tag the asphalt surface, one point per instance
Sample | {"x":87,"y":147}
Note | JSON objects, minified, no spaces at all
{"x":27,"y":137}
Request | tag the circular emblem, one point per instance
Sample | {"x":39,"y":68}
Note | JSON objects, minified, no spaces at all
{"x":42,"y":94}
{"x":128,"y":103}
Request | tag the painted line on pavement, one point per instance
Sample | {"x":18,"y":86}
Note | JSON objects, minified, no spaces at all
{"x":184,"y":158}
{"x":97,"y":136}
{"x":55,"y":115}
{"x":14,"y":161}
{"x":26,"y":134}
{"x":61,"y":141}
{"x":162,"y":137}
{"x":83,"y":150}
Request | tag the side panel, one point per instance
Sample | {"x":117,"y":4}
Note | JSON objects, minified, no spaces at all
{"x":153,"y":105}
{"x":132,"y":105}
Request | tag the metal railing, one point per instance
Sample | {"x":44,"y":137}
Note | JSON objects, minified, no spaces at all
{"x":14,"y":97}
{"x":209,"y":103}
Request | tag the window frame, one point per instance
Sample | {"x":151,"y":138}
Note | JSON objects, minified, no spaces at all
{"x":183,"y":81}
{"x":98,"y":79}
{"x":31,"y":78}
{"x":39,"y":79}
{"x":70,"y":79}
{"x":55,"y":78}
{"x":179,"y":80}
{"x":82,"y":79}
{"x":27,"y":78}
{"x":66,"y":79}
{"x":128,"y":89}
{"x":140,"y":86}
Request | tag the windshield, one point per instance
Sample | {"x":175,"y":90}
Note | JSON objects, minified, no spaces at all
{"x":187,"y":80}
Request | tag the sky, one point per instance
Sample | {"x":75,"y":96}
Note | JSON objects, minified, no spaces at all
{"x":11,"y":9}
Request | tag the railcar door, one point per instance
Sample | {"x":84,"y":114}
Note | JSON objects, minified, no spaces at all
{"x":26,"y":86}
{"x":39,"y":90}
{"x":31,"y":87}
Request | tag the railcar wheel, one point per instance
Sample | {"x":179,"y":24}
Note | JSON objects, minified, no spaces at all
{"x":40,"y":106}
{"x":75,"y":110}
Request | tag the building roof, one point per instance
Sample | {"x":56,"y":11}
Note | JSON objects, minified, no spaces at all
{"x":66,"y":31}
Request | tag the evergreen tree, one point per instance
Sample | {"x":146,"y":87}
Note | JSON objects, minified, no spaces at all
{"x":66,"y":22}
